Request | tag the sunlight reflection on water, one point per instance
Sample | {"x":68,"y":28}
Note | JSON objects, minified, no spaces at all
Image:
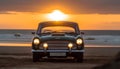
{"x":15,"y":44}
{"x":29,"y":44}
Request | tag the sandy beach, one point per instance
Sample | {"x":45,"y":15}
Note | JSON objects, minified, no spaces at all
{"x":17,"y":57}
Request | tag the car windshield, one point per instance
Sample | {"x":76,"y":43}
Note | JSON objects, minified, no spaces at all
{"x":57,"y":29}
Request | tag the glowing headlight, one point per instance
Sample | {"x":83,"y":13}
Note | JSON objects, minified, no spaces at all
{"x":36,"y":41}
{"x":70,"y":45}
{"x":45,"y":45}
{"x":79,"y":41}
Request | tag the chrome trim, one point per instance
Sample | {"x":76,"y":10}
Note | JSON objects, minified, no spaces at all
{"x":57,"y":51}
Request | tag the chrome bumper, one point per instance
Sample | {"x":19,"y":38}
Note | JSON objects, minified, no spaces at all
{"x":59,"y":51}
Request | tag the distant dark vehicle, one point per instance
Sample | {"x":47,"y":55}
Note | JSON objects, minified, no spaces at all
{"x":58,"y":39}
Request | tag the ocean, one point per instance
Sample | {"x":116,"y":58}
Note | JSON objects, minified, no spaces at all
{"x":87,"y":32}
{"x":101,"y":32}
{"x":99,"y":37}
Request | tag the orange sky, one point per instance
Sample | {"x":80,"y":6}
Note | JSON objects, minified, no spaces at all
{"x":24,"y":20}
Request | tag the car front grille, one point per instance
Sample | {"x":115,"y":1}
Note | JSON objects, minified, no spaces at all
{"x":53,"y":45}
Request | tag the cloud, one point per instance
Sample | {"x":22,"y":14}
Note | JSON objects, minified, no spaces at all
{"x":68,"y":6}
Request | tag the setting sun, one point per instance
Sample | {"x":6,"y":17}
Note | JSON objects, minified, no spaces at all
{"x":57,"y":15}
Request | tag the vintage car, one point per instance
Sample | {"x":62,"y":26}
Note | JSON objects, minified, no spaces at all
{"x":58,"y":39}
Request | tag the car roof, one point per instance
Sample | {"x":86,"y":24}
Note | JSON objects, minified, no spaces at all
{"x":58,"y":23}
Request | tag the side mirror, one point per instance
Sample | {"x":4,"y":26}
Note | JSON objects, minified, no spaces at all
{"x":82,"y":33}
{"x":33,"y":33}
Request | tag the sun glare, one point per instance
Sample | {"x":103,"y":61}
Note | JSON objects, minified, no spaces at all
{"x":57,"y":15}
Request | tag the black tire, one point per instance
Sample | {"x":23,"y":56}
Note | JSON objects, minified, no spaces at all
{"x":36,"y":56}
{"x":79,"y":57}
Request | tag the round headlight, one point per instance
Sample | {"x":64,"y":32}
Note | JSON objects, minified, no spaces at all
{"x":70,"y":45}
{"x":36,"y":41}
{"x":79,"y":41}
{"x":45,"y":45}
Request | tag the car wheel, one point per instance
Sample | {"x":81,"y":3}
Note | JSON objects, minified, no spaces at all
{"x":36,"y":57}
{"x":79,"y":57}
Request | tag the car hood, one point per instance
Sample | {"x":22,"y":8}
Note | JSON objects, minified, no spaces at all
{"x":57,"y":38}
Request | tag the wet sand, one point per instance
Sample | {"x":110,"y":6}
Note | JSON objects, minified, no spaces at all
{"x":26,"y":63}
{"x":12,"y":57}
